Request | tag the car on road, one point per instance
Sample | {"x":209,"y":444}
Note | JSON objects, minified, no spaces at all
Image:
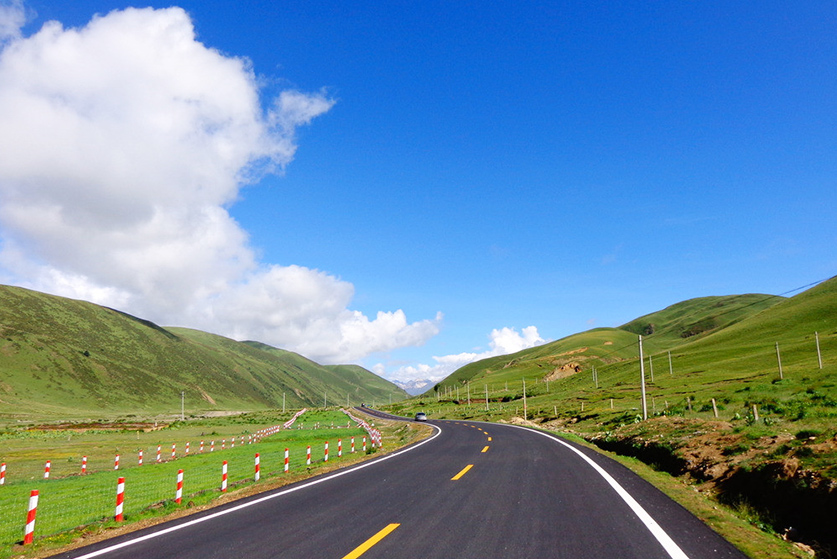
{"x":421,"y":416}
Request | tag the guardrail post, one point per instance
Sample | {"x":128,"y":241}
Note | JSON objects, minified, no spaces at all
{"x":178,"y":495}
{"x":120,"y":499}
{"x":29,"y":530}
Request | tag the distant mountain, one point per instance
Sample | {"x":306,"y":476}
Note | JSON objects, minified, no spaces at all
{"x":65,"y":357}
{"x":414,"y":387}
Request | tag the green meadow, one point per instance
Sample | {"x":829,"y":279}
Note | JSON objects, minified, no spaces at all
{"x":69,"y":500}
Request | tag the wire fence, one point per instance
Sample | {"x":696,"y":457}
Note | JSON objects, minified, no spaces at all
{"x":682,"y":383}
{"x":77,"y":500}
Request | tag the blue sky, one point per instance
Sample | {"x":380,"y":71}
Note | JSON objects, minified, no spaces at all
{"x":560,"y":165}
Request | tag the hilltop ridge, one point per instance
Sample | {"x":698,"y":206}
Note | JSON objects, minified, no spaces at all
{"x":67,"y":357}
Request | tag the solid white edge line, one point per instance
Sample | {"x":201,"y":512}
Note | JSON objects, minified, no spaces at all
{"x":665,"y":540}
{"x":257,"y":501}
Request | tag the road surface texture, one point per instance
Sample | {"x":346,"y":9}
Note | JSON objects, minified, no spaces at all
{"x":472,"y":490}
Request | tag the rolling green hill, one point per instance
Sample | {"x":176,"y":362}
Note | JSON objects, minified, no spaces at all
{"x":68,"y":358}
{"x":676,"y":325}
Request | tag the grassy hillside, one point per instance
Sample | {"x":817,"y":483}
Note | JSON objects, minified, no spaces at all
{"x":673,"y":326}
{"x":697,"y":318}
{"x":676,"y":325}
{"x":711,"y":347}
{"x":68,"y":358}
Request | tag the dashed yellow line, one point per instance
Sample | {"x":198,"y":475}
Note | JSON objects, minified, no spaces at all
{"x":462,"y":473}
{"x":365,"y":546}
{"x":489,"y":439}
{"x":485,"y":449}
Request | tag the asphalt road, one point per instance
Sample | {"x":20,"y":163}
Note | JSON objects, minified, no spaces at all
{"x":517,"y":493}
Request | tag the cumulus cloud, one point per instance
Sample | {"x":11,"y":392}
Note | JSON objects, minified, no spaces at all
{"x":502,"y":341}
{"x":12,"y":18}
{"x":124,"y":143}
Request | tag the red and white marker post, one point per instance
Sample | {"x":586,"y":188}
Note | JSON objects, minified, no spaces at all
{"x":120,"y":499}
{"x":187,"y":448}
{"x":364,"y":444}
{"x":353,"y":445}
{"x":178,"y":494}
{"x":201,"y":450}
{"x":116,"y":462}
{"x":308,"y":456}
{"x":339,"y":448}
{"x":224,"y":477}
{"x":173,"y":450}
{"x":139,"y":458}
{"x":29,"y":531}
{"x":325,"y":458}
{"x":258,"y":473}
{"x":159,"y":448}
{"x":46,"y":469}
{"x":3,"y":473}
{"x":83,"y":465}
{"x":212,"y":446}
{"x":223,"y":444}
{"x":286,"y":461}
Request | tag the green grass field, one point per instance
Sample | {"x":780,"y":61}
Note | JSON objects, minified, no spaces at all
{"x":69,"y":500}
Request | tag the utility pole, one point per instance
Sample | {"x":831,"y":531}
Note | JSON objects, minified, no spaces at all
{"x":325,"y":399}
{"x":779,"y":359}
{"x":283,"y":402}
{"x":642,"y":378}
{"x":182,"y":403}
{"x":670,"y":370}
{"x":819,"y":355}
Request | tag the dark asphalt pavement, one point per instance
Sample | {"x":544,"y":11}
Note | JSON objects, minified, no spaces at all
{"x":526,"y":495}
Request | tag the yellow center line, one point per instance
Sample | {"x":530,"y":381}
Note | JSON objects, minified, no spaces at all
{"x":462,"y":473}
{"x":365,"y":546}
{"x":485,"y":449}
{"x":489,"y":439}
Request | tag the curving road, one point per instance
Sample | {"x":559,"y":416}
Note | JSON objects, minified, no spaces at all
{"x":472,"y":490}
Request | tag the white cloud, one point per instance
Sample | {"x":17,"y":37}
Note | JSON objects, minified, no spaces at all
{"x":12,"y":18}
{"x":503,"y":341}
{"x":308,"y":311}
{"x":123,"y":143}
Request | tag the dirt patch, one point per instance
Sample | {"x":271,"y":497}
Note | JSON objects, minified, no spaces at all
{"x":206,"y":396}
{"x":572,"y":352}
{"x":222,"y":413}
{"x":563,"y":371}
{"x":81,"y":427}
